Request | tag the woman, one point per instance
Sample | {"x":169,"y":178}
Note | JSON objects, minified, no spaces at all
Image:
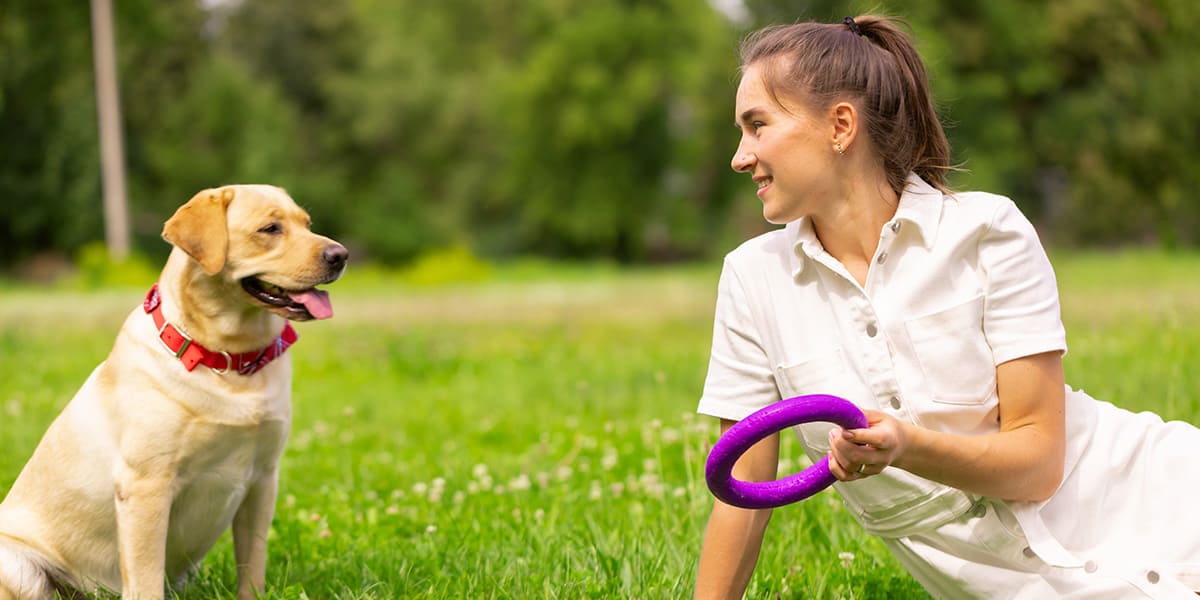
{"x":936,"y":313}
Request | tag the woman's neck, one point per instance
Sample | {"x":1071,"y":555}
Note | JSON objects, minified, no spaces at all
{"x":849,"y":229}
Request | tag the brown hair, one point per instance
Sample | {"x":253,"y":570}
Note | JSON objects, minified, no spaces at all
{"x":871,"y":59}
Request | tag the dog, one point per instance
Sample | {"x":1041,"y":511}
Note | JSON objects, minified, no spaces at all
{"x":177,"y":435}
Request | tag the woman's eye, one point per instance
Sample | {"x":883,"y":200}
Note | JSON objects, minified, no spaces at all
{"x":272,"y":228}
{"x":755,"y":125}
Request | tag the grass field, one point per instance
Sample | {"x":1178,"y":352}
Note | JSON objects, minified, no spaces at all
{"x":533,"y":435}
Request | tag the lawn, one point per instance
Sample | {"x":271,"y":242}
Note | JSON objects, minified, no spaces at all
{"x":532,"y":434}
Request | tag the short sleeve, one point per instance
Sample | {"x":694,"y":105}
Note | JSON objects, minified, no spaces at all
{"x":740,"y":379}
{"x":1021,"y":314}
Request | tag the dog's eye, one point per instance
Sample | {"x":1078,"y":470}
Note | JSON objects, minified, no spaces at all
{"x":273,"y":228}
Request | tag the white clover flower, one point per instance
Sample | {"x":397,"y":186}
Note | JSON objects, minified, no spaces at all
{"x":419,"y":488}
{"x":430,"y":528}
{"x":847,"y":559}
{"x":520,"y":483}
{"x":479,"y":470}
{"x":609,"y":460}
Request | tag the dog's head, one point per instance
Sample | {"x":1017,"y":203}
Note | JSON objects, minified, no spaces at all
{"x":256,"y":236}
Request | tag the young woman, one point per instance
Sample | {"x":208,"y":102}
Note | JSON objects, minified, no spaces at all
{"x":936,"y":313}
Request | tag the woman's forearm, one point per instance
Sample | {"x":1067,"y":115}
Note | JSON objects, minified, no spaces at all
{"x":1020,"y":464}
{"x":1021,"y":461}
{"x":732,"y":542}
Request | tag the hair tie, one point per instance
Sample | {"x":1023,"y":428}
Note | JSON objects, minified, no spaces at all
{"x":849,"y":21}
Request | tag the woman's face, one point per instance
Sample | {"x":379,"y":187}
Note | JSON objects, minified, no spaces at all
{"x":789,"y":153}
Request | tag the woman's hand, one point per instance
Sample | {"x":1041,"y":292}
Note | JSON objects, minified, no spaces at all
{"x":858,"y":453}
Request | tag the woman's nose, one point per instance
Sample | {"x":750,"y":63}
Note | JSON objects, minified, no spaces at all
{"x":743,"y":161}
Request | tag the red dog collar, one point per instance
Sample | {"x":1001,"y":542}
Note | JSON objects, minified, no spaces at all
{"x":192,"y":354}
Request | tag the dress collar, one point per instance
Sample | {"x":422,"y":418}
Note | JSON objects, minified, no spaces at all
{"x":919,"y":209}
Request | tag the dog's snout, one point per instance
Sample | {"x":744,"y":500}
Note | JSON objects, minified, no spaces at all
{"x":335,"y":255}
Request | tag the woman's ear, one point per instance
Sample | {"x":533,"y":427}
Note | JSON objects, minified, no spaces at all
{"x":845,"y":126}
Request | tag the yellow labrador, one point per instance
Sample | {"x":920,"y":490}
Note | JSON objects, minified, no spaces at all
{"x":176,"y":436}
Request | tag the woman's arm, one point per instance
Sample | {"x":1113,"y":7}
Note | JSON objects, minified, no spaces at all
{"x":1022,"y":461}
{"x":734,"y":535}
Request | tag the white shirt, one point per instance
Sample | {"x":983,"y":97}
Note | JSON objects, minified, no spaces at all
{"x":958,"y":285}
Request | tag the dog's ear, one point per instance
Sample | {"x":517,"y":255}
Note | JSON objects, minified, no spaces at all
{"x":198,"y":228}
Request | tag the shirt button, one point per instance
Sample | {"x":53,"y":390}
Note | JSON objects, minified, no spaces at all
{"x":882,"y":257}
{"x":1028,"y":552}
{"x":1152,"y":576}
{"x":872,"y":330}
{"x":980,"y":510}
{"x":896,"y":227}
{"x":895,"y":402}
{"x":1090,"y":566}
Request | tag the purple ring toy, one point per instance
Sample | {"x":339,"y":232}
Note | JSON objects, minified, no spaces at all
{"x":718,"y":471}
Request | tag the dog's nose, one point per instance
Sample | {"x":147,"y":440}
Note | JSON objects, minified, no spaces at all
{"x":335,"y":255}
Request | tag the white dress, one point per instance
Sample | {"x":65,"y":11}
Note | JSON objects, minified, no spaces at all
{"x":958,"y":285}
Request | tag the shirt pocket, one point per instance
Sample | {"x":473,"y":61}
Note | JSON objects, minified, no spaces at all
{"x":825,"y":373}
{"x":953,"y":353}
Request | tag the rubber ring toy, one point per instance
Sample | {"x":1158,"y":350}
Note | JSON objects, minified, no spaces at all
{"x":718,"y":471}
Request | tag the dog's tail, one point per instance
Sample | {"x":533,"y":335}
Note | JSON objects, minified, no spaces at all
{"x":24,"y":575}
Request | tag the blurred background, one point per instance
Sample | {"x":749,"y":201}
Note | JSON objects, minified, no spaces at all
{"x":565,"y":129}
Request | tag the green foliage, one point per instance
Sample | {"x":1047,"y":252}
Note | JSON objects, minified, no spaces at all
{"x":591,"y":129}
{"x":49,"y":183}
{"x":455,"y":264}
{"x":96,"y":269}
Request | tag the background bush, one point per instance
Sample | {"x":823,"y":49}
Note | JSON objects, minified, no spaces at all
{"x":567,"y":128}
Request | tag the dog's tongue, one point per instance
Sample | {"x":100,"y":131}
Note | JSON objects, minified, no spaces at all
{"x":316,"y":301}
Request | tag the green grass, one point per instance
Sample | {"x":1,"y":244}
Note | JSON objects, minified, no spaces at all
{"x":532,"y":434}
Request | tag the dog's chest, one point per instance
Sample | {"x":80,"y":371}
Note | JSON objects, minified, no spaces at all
{"x":214,"y":478}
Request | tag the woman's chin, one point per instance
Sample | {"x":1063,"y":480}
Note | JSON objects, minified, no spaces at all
{"x":775,"y":217}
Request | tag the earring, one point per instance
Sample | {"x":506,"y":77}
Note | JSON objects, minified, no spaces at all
{"x":838,"y":146}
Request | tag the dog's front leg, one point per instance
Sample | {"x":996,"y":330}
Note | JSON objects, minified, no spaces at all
{"x":143,"y":512}
{"x":250,"y":526}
